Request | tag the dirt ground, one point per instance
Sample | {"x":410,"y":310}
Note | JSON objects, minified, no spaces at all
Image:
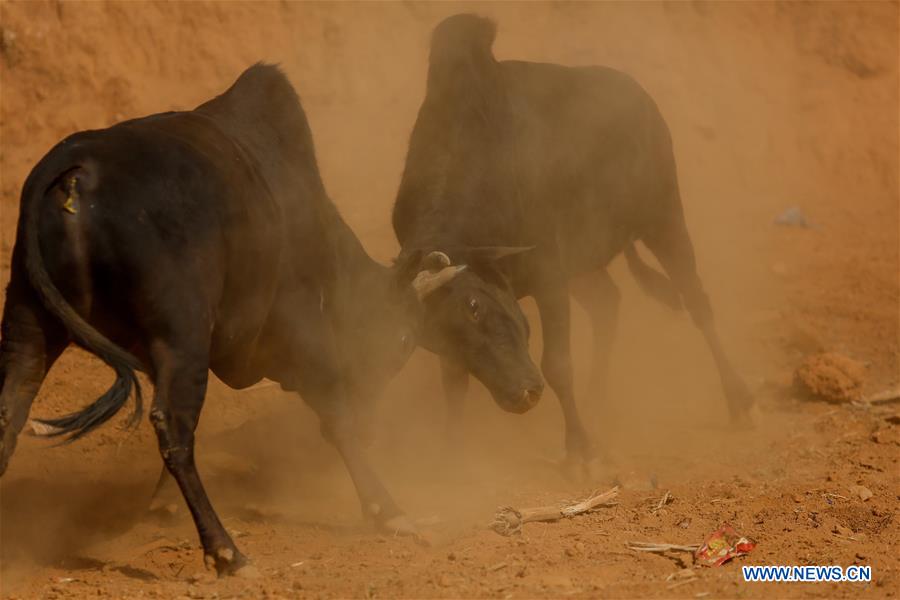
{"x":771,"y":106}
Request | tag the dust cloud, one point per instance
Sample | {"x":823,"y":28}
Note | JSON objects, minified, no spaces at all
{"x":770,"y":106}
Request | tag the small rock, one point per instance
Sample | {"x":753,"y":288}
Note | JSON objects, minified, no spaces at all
{"x":797,"y":498}
{"x":861,"y":492}
{"x":451,"y":556}
{"x":684,"y":523}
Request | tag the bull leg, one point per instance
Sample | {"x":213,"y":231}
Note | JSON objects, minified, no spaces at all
{"x":337,"y":424}
{"x":455,"y":380}
{"x":556,"y":364}
{"x":600,"y":298}
{"x":30,"y":342}
{"x":675,"y":252}
{"x":181,"y":378}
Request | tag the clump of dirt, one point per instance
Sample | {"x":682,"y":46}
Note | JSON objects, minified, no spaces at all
{"x":831,"y":377}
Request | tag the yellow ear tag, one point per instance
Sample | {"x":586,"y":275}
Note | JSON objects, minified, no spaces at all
{"x":69,"y":204}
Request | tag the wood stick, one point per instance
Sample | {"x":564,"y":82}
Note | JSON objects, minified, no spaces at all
{"x":663,"y":501}
{"x":885,"y":397}
{"x":509,"y":520}
{"x":660,"y":547}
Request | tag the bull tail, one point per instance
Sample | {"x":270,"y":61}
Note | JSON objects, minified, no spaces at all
{"x":654,"y":283}
{"x":122,"y":362}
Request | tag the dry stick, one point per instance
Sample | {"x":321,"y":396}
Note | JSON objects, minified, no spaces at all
{"x":509,"y":520}
{"x":663,"y":501}
{"x":660,"y":547}
{"x":885,"y":397}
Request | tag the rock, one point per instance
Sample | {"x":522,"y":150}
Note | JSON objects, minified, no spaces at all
{"x":830,"y":377}
{"x":861,"y":492}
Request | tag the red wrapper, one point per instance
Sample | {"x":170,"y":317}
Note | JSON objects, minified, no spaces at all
{"x":722,"y":545}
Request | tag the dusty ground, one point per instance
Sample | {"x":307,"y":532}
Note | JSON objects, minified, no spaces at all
{"x":771,"y":106}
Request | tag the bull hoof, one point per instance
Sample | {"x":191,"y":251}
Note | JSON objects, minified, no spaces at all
{"x":399,"y":525}
{"x":227,"y":561}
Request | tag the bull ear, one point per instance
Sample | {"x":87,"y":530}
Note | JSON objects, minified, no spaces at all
{"x":492,"y":253}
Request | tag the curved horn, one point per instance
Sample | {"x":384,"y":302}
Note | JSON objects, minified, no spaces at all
{"x":436,"y":260}
{"x":427,"y":282}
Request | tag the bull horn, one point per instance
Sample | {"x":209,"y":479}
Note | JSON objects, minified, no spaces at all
{"x":427,"y":282}
{"x":436,"y":260}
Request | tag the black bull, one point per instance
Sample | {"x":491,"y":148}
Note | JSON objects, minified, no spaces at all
{"x":203,"y":240}
{"x":567,"y":168}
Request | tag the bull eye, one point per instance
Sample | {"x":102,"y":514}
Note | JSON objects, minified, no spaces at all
{"x":474,"y":309}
